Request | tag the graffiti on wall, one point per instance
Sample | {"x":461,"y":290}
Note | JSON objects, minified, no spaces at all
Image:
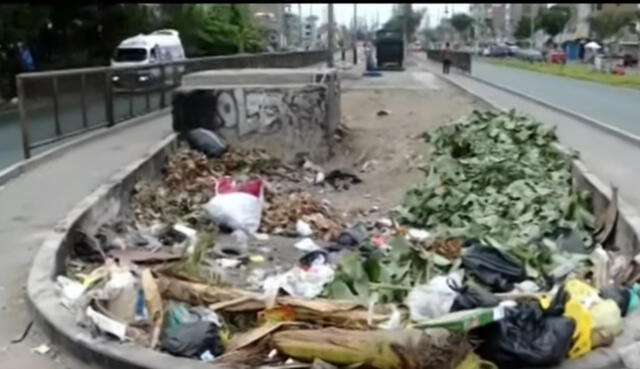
{"x":270,"y":110}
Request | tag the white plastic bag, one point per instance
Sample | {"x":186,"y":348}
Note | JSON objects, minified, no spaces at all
{"x":237,"y":206}
{"x":434,"y":299}
{"x":301,"y":282}
{"x":303,"y":228}
{"x":70,"y":291}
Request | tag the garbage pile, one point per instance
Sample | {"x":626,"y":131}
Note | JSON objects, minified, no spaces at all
{"x":495,"y":261}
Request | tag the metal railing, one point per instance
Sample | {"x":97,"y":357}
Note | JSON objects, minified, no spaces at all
{"x":459,"y":59}
{"x":56,"y":105}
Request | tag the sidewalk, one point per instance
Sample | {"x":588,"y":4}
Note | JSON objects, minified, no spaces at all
{"x":31,"y":206}
{"x":610,"y":157}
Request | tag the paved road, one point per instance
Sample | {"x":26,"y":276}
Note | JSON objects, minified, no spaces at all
{"x":616,"y":106}
{"x":31,"y":206}
{"x":610,"y":157}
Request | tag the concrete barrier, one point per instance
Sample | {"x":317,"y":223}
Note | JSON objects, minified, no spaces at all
{"x":284,"y":110}
{"x":113,"y":197}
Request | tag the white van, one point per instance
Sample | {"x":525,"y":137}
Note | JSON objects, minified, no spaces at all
{"x":158,"y":47}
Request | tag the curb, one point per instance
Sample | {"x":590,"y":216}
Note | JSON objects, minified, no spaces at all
{"x":627,"y":234}
{"x":59,"y":323}
{"x":21,"y":167}
{"x":596,"y":123}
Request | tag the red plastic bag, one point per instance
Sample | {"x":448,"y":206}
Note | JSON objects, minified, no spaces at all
{"x":237,"y":205}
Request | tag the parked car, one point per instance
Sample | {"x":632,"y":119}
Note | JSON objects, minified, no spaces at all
{"x":529,"y":55}
{"x":498,"y":51}
{"x":556,"y":56}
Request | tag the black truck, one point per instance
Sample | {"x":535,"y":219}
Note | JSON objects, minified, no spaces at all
{"x":389,"y":49}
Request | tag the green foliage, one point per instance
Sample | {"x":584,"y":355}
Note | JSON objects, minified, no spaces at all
{"x":230,"y":29}
{"x":214,"y":30}
{"x":523,"y":29}
{"x":18,"y":23}
{"x":21,"y":22}
{"x":461,"y":22}
{"x":573,"y":71}
{"x":498,"y":177}
{"x":553,"y":20}
{"x":384,"y":278}
{"x":609,"y":23}
{"x":396,"y":22}
{"x":189,"y":20}
{"x":83,"y":34}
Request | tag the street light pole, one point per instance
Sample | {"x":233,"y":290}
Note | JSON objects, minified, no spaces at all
{"x":407,"y":9}
{"x":355,"y":33}
{"x":531,"y":25}
{"x":300,"y":24}
{"x":330,"y":36}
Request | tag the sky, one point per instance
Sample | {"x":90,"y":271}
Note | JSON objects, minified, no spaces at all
{"x":343,"y":13}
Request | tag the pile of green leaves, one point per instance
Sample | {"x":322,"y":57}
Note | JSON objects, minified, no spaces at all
{"x":498,"y":177}
{"x":385,"y":278}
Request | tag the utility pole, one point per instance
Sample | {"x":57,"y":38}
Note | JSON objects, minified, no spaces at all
{"x":330,"y":45}
{"x":300,"y":24}
{"x":531,"y":24}
{"x":407,"y":11}
{"x":355,"y":33}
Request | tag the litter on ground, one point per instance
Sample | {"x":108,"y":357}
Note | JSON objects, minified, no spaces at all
{"x":232,"y":257}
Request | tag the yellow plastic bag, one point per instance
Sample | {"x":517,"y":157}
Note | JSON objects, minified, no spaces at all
{"x":598,"y":321}
{"x":578,"y":292}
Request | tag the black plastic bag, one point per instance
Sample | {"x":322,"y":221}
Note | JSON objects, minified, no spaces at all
{"x":471,"y":298}
{"x":354,"y":236}
{"x":340,"y":179}
{"x":621,"y":295}
{"x":193,"y":339}
{"x":496,"y":269}
{"x":528,"y":336}
{"x":206,"y":142}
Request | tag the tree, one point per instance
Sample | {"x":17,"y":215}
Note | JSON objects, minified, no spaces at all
{"x":523,"y":29}
{"x":189,"y":20}
{"x":19,"y":23}
{"x":396,"y":22}
{"x":553,"y":20}
{"x":229,"y":29}
{"x":462,"y":23}
{"x":608,"y":24}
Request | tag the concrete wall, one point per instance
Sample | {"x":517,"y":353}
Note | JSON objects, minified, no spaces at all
{"x":285,"y":111}
{"x":285,"y":119}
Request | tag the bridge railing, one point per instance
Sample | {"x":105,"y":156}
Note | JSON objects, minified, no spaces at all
{"x":459,"y":59}
{"x":57,"y":105}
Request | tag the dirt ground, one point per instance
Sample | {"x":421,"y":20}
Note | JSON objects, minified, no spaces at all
{"x":388,"y":146}
{"x":390,"y":143}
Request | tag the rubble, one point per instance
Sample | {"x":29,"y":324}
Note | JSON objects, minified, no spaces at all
{"x":282,"y":213}
{"x":296,"y":284}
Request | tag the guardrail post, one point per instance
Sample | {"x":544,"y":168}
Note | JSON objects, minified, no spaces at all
{"x":108,"y":97}
{"x":56,"y":107}
{"x":147,"y":91}
{"x":83,"y":91}
{"x":24,"y":125}
{"x":163,"y":86}
{"x":131,"y":96}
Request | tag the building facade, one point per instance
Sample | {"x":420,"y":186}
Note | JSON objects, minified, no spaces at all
{"x":272,"y":18}
{"x":498,"y":22}
{"x":293,"y":30}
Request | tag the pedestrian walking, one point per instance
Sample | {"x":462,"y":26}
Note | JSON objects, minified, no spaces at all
{"x":446,"y":58}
